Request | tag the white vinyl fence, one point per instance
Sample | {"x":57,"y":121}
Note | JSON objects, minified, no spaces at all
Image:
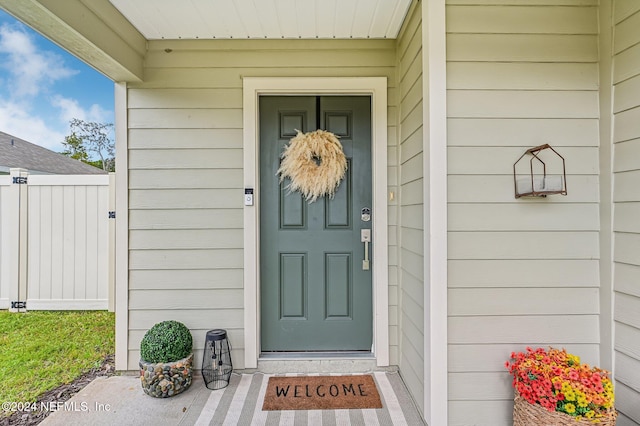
{"x":56,"y":242}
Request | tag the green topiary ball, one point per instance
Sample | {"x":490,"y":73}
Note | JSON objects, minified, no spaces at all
{"x":167,"y":341}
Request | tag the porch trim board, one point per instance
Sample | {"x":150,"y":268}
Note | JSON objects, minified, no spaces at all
{"x":435,"y":219}
{"x":122,"y":227}
{"x":253,"y":87}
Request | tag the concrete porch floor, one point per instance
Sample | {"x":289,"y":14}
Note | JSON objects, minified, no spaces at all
{"x":120,"y":400}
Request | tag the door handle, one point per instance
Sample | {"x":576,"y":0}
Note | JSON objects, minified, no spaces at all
{"x":365,"y":237}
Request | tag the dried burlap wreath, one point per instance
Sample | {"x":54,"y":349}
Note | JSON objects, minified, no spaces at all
{"x":315,"y":163}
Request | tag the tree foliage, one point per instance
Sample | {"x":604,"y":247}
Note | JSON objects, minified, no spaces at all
{"x":91,"y":143}
{"x":74,"y":148}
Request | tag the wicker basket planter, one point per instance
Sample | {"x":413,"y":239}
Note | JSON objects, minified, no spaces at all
{"x":552,"y":387}
{"x":526,"y":414}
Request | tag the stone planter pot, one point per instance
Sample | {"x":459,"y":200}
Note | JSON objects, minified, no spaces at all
{"x":165,"y":379}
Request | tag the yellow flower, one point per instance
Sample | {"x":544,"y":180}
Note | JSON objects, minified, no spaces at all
{"x":570,"y":408}
{"x":589,"y":414}
{"x":609,"y":402}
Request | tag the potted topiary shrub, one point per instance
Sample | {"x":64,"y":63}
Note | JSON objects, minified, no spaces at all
{"x":166,"y":359}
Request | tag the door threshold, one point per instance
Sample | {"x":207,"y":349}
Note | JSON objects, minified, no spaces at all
{"x":316,"y":362}
{"x":317,"y":355}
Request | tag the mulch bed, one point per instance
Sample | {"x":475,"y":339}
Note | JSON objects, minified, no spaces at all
{"x":60,"y":394}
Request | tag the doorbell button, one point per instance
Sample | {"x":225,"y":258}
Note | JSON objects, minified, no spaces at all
{"x":248,"y":196}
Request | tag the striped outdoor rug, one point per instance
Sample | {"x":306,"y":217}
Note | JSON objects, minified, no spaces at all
{"x":240,"y":403}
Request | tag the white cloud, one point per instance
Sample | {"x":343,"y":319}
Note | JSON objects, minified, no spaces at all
{"x":28,"y":77}
{"x":30,"y":70}
{"x":70,"y":108}
{"x":99,"y":114}
{"x":17,"y":121}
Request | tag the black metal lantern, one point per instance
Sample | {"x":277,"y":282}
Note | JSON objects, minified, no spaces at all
{"x":216,"y":362}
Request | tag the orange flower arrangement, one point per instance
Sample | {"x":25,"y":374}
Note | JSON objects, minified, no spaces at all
{"x":557,"y":381}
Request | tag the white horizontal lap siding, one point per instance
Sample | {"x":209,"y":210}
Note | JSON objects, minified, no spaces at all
{"x":411,"y":232}
{"x":185,"y":238}
{"x":626,"y":168}
{"x":186,"y":178}
{"x":199,"y":335}
{"x":521,"y":272}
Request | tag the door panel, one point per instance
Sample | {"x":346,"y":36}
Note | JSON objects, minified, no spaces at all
{"x":339,"y":210}
{"x":292,"y":208}
{"x":338,"y":285}
{"x":315,"y":295}
{"x":293,"y":285}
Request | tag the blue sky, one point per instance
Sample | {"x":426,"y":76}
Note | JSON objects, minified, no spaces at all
{"x":42,"y":87}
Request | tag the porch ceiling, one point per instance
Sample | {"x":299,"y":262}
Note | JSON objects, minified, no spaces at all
{"x":271,"y":19}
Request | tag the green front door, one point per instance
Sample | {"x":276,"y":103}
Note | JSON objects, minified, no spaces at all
{"x":316,"y":293}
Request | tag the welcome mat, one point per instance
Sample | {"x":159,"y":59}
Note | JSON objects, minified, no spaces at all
{"x":321,"y":393}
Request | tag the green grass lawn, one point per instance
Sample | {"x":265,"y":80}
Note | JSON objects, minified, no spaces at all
{"x":42,"y":350}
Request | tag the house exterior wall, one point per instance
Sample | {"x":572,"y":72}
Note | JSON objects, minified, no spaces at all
{"x":185,"y":175}
{"x":521,"y":271}
{"x":626,"y":166}
{"x":411,"y":205}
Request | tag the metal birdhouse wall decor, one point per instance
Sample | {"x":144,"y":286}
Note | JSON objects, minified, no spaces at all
{"x":546,"y":174}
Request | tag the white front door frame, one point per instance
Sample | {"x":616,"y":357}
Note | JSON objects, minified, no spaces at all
{"x":376,"y":87}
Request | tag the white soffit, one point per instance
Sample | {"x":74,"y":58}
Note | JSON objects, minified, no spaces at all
{"x":272,"y":19}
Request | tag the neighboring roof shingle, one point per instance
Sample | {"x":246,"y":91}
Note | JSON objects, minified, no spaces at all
{"x":16,"y":152}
